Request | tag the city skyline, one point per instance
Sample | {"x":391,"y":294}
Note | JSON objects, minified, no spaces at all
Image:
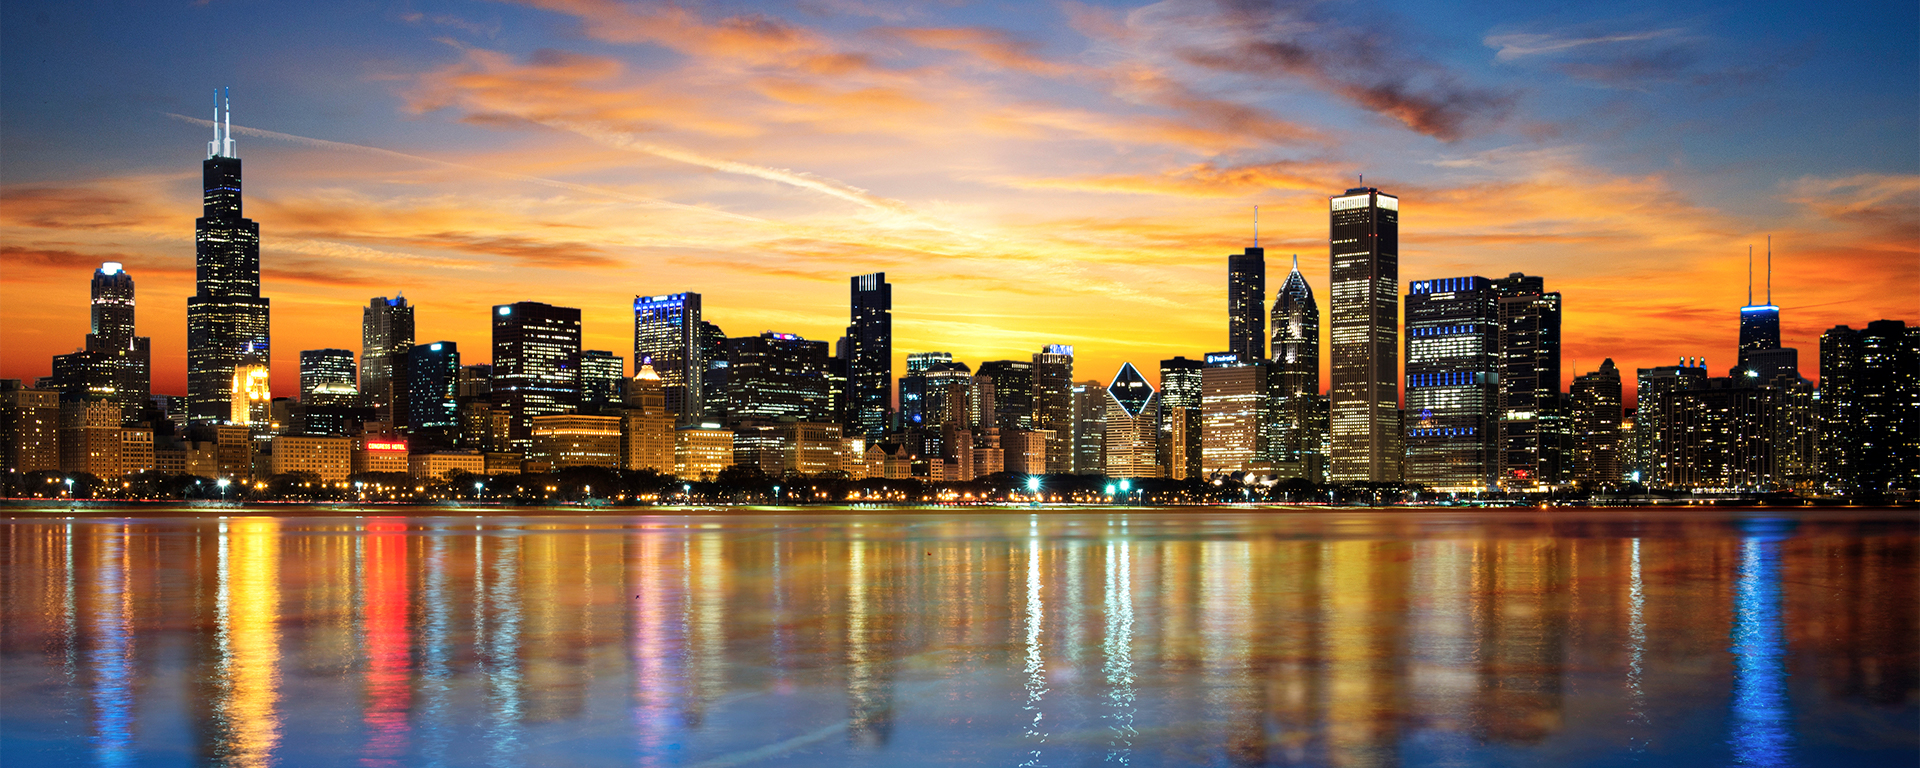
{"x":532,"y":200}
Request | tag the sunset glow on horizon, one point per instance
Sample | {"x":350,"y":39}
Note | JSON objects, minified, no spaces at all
{"x":1068,"y":173}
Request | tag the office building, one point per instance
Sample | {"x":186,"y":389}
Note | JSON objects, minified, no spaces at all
{"x":252,"y":396}
{"x":1181,"y":392}
{"x":777,"y":375}
{"x":602,"y":385}
{"x":426,"y":386}
{"x":1453,"y":364}
{"x":29,"y":428}
{"x":1235,"y":416}
{"x":328,"y":458}
{"x":1012,"y":393}
{"x":93,"y":440}
{"x":381,"y":453}
{"x":669,"y":335}
{"x":575,"y":440}
{"x":701,"y":451}
{"x":1719,"y":437}
{"x":1531,"y":407}
{"x":646,"y":426}
{"x":1761,"y":357}
{"x":869,"y":358}
{"x":1595,"y":426}
{"x":115,"y":365}
{"x":913,"y":386}
{"x":1053,"y":404}
{"x":1247,"y":304}
{"x":1089,"y":428}
{"x":442,"y":465}
{"x":536,"y":364}
{"x":1132,"y":426}
{"x":1297,"y":447}
{"x":1654,"y":458}
{"x":386,"y":332}
{"x":227,"y":318}
{"x":1870,"y":409}
{"x":327,"y":377}
{"x":1364,"y":399}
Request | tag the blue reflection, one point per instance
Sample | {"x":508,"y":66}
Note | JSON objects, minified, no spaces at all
{"x":1761,"y":718}
{"x":112,"y":659}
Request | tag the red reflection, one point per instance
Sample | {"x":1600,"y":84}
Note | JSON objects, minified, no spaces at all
{"x":384,"y":608}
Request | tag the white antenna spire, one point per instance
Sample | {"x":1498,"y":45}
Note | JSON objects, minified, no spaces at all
{"x":226,"y":129}
{"x":1769,"y":270}
{"x":213,"y":147}
{"x":222,"y":144}
{"x":1256,"y":226}
{"x":1749,"y":275}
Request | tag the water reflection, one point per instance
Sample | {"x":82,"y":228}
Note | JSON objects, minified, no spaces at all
{"x":1128,"y":639}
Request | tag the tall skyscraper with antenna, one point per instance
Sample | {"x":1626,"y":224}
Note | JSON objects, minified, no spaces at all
{"x":1761,"y":356}
{"x":870,"y":362}
{"x":227,"y":317}
{"x":1293,"y":385}
{"x":1247,"y":299}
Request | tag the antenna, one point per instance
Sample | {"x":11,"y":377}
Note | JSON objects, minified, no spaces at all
{"x":1769,"y":270}
{"x":226,"y":143}
{"x":1256,"y":226}
{"x":1749,"y":275}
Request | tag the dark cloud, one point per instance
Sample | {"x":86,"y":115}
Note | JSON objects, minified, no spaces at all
{"x":23,"y":261}
{"x":1364,"y":63}
{"x":538,"y":253}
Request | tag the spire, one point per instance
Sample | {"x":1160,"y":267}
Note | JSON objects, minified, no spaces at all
{"x":1769,"y":270}
{"x":1256,"y":226}
{"x":222,"y":144}
{"x":1749,"y":275}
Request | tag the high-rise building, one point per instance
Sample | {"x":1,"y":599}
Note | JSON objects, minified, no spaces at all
{"x":646,"y":426}
{"x":713,"y":384}
{"x":1247,"y":304}
{"x":1053,"y":404}
{"x":1012,"y":393}
{"x":1364,"y":247}
{"x":870,"y":354}
{"x":1453,"y":365}
{"x":386,"y":332}
{"x":227,"y":318}
{"x":1870,"y":403}
{"x":1089,"y":428}
{"x":536,"y":363}
{"x":327,"y":377}
{"x":1761,"y":357}
{"x":1235,"y":415}
{"x":1181,"y":393}
{"x":1720,"y":436}
{"x":777,"y":375}
{"x":1133,"y":426}
{"x":913,"y":386}
{"x":252,"y":396}
{"x":117,"y":364}
{"x":426,"y":393}
{"x":29,"y":428}
{"x":1531,"y":406}
{"x":669,"y":335}
{"x":601,"y":380}
{"x":1654,"y":459}
{"x":1595,"y":427}
{"x":1297,"y":445}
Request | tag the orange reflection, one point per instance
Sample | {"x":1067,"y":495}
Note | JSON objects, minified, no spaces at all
{"x":389,"y":664}
{"x":247,"y":707}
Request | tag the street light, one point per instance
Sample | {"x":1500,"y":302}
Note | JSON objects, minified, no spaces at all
{"x":223,"y":488}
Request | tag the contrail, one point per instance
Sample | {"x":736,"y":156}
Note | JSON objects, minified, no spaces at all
{"x":325,"y":144}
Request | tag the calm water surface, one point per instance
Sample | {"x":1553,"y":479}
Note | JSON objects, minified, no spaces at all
{"x":1223,"y":637}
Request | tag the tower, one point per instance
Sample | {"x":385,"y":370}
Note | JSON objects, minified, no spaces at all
{"x":536,"y":363}
{"x":227,"y":318}
{"x":1761,"y":357}
{"x":1246,"y":300}
{"x":870,"y":358}
{"x":386,"y":333}
{"x":1293,"y":384}
{"x":1364,"y":250}
{"x":669,"y":335}
{"x":1132,"y":428}
{"x":1053,"y":405}
{"x":1531,"y":408}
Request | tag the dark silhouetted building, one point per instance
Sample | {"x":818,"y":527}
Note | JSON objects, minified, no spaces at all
{"x":227,"y":318}
{"x":1531,"y":407}
{"x":115,"y":365}
{"x":1364,"y":248}
{"x":1181,"y":422}
{"x":602,"y":384}
{"x":426,"y":387}
{"x":1012,"y":393}
{"x":1595,"y":426}
{"x":327,"y":377}
{"x":1870,"y":409}
{"x":1053,"y":404}
{"x":1247,"y":304}
{"x":777,"y":375}
{"x":869,"y":359}
{"x":1298,"y":444}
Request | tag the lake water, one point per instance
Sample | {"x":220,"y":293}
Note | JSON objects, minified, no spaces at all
{"x":1203,"y":636}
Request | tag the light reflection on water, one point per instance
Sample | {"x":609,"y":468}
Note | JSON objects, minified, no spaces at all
{"x":1151,"y":638}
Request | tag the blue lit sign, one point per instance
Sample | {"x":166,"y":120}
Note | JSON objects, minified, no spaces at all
{"x":504,"y":310}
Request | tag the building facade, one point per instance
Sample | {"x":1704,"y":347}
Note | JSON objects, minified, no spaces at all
{"x":1364,"y":399}
{"x":227,"y":318}
{"x":1182,"y":394}
{"x":327,"y":377}
{"x":1053,"y":404}
{"x":870,"y":354}
{"x":1595,"y":427}
{"x":536,"y":363}
{"x":1452,"y":353}
{"x":1132,"y":426}
{"x":1247,"y":304}
{"x":386,"y":333}
{"x":1531,"y":408}
{"x":669,"y":335}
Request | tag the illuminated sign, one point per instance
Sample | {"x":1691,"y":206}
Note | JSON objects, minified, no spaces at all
{"x":1349,"y":203}
{"x":435,"y":346}
{"x":110,"y":268}
{"x":786,"y":337}
{"x":1223,"y":358}
{"x":504,"y":310}
{"x":386,"y":446}
{"x":1060,"y":349}
{"x":1390,"y":203}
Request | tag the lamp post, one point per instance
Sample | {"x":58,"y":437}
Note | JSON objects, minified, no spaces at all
{"x":223,"y":483}
{"x":1033,"y":489}
{"x":477,"y":492}
{"x":1126,"y":491}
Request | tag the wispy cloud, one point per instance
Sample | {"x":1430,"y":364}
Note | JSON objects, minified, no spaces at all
{"x":1515,"y":45}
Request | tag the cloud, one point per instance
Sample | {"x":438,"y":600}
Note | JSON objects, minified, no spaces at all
{"x":1515,"y":45}
{"x":1207,"y":180}
{"x":1359,"y":61}
{"x":990,"y":46}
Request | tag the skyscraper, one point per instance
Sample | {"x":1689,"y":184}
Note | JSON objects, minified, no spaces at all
{"x":1531,"y":408}
{"x":1235,"y":415}
{"x":1364,"y":247}
{"x":777,"y":375}
{"x":1654,"y":460}
{"x":1181,"y":394}
{"x":1761,"y":358}
{"x":113,"y":338}
{"x":227,"y":319}
{"x":386,"y":332}
{"x":913,"y":387}
{"x":870,"y":354}
{"x":1053,"y":404}
{"x":1293,"y":383}
{"x":1595,"y":427}
{"x":1453,"y":366}
{"x":426,"y":387}
{"x":669,"y":335}
{"x":1870,"y":395}
{"x":536,"y":363}
{"x":1247,"y":304}
{"x":601,"y":387}
{"x":1012,"y":393}
{"x":1089,"y":428}
{"x":1132,"y":428}
{"x":326,"y":377}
